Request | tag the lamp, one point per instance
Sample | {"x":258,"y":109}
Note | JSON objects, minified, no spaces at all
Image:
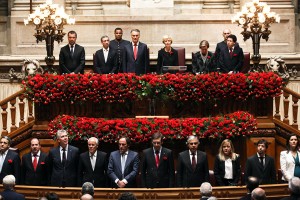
{"x":256,"y":17}
{"x":49,"y":20}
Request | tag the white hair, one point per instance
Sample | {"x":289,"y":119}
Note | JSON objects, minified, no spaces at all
{"x":9,"y":181}
{"x":86,"y":197}
{"x":95,"y":139}
{"x":192,"y":137}
{"x":59,"y":132}
{"x":294,"y":185}
{"x":206,"y":189}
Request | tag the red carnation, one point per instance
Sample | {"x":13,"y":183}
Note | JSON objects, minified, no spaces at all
{"x":10,"y":161}
{"x":165,"y":158}
{"x":235,"y":54}
{"x":42,"y":163}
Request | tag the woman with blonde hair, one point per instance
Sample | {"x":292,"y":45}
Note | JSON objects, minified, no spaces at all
{"x":227,"y":167}
{"x":167,"y":56}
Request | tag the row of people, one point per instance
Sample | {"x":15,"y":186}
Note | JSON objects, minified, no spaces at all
{"x":64,"y":166}
{"x":120,"y":55}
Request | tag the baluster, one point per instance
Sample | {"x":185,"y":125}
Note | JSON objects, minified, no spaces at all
{"x":4,"y":119}
{"x":295,"y":112}
{"x":286,"y":107}
{"x":21,"y":109}
{"x":30,"y":110}
{"x":277,"y":104}
{"x":13,"y":115}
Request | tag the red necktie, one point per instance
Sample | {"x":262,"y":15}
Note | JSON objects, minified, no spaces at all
{"x":193,"y":161}
{"x":230,"y":52}
{"x":157,"y":158}
{"x":135,"y":52}
{"x":34,"y":163}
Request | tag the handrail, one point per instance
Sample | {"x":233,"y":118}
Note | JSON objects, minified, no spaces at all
{"x":13,"y":96}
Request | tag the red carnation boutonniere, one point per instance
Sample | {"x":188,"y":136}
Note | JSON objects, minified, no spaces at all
{"x":9,"y":161}
{"x":42,"y":163}
{"x":171,"y":52}
{"x":165,"y":158}
{"x":208,"y":57}
{"x":235,"y":54}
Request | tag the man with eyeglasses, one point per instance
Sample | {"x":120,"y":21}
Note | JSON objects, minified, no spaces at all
{"x":157,"y":165}
{"x":123,"y":166}
{"x":222,"y":45}
{"x":192,"y":165}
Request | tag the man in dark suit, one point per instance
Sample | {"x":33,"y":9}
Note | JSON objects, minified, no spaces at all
{"x":106,"y":58}
{"x":62,"y":162}
{"x":9,"y":183}
{"x":192,"y":165}
{"x":9,"y":160}
{"x":123,"y":165}
{"x":72,"y":56}
{"x":231,"y":59}
{"x":136,"y":55}
{"x":157,"y":165}
{"x":118,"y":44}
{"x":92,"y":165}
{"x":261,"y":165}
{"x":34,"y":165}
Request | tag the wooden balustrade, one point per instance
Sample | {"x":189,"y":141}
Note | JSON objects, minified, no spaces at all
{"x":13,"y":102}
{"x":290,"y":98}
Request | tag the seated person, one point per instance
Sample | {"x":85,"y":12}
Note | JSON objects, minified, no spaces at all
{"x":167,"y":56}
{"x":202,"y":61}
{"x":232,"y":58}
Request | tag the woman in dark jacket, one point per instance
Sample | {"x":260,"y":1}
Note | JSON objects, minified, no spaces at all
{"x":227,"y":167}
{"x":203,"y":60}
{"x":167,"y":56}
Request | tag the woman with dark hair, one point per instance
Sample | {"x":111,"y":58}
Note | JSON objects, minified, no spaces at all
{"x":227,"y":167}
{"x":290,"y":159}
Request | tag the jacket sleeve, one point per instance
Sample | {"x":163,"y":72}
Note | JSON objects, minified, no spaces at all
{"x":62,"y":63}
{"x":217,"y":172}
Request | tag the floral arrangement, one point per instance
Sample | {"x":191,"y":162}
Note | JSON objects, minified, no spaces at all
{"x":121,"y":87}
{"x":239,"y":123}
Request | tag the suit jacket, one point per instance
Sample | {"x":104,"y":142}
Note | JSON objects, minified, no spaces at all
{"x":110,"y":66}
{"x":166,"y":59}
{"x":131,"y":169}
{"x":266,"y":174}
{"x":219,"y":170}
{"x":138,"y":66}
{"x":292,"y":197}
{"x":86,"y":172}
{"x":69,"y":64}
{"x":161,"y":176}
{"x":246,"y":197}
{"x":219,"y":47}
{"x":287,"y":165}
{"x":234,"y":63}
{"x":63,"y":175}
{"x":186,"y":177}
{"x":203,"y":67}
{"x":11,"y":195}
{"x":11,"y":165}
{"x":31,"y":177}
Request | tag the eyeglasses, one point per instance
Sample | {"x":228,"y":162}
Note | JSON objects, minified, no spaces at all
{"x":193,"y":143}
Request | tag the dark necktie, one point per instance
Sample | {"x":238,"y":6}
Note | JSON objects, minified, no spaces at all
{"x":135,"y":52}
{"x":230,"y":52}
{"x":193,"y":161}
{"x":261,"y":159}
{"x":157,"y":158}
{"x":34,"y":163}
{"x":72,"y":50}
{"x":64,"y":158}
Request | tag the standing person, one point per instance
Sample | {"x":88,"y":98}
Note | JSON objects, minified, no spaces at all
{"x":231,"y":59}
{"x":203,"y":60}
{"x":34,"y":165}
{"x":123,"y":166}
{"x":136,"y":55}
{"x":167,"y":56}
{"x":9,"y":160}
{"x":192,"y":165}
{"x":157,"y":165}
{"x":72,"y":56}
{"x":63,"y":162}
{"x":290,"y":159}
{"x":9,"y":192}
{"x":118,"y":44}
{"x":92,"y":165}
{"x":106,"y":58}
{"x":261,"y":165}
{"x":227,"y":169}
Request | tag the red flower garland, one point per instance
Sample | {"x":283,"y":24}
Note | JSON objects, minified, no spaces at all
{"x":239,"y":123}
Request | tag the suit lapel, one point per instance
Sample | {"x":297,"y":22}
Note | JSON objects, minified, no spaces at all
{"x":102,"y":55}
{"x":188,"y":160}
{"x":127,"y":160}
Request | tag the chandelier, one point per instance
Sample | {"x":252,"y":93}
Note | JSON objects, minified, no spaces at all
{"x":255,"y":19}
{"x":49,"y":20}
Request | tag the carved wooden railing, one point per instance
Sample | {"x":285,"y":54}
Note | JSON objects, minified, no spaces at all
{"x":9,"y":109}
{"x":285,"y":122}
{"x":276,"y":191}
